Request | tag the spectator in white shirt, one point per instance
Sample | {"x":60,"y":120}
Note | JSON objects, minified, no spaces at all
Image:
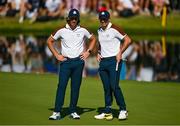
{"x":128,"y":8}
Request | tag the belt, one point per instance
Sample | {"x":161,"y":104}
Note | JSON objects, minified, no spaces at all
{"x":108,"y":58}
{"x":76,"y":58}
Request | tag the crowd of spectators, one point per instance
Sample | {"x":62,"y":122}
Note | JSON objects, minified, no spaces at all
{"x":146,"y":60}
{"x":26,"y":54}
{"x":44,"y":10}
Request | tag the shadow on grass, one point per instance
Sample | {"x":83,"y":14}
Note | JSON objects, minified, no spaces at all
{"x":80,"y":111}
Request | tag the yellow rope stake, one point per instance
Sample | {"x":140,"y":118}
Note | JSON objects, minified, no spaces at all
{"x":163,"y":45}
{"x":164,"y":18}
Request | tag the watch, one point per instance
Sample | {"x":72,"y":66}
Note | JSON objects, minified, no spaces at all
{"x":90,"y":51}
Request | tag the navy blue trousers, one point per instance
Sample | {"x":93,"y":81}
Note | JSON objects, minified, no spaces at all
{"x":110,"y":79}
{"x":71,"y":68}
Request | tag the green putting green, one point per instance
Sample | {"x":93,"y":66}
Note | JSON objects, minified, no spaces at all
{"x":28,"y":99}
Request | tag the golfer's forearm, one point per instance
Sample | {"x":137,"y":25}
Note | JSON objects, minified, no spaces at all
{"x":92,"y":42}
{"x":124,"y":46}
{"x":50,"y":42}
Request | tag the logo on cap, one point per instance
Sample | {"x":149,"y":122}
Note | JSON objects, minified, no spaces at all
{"x":103,"y":13}
{"x":74,"y":12}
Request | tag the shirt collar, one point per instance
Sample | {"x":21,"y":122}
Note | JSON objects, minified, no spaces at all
{"x":108,"y":26}
{"x":68,"y":27}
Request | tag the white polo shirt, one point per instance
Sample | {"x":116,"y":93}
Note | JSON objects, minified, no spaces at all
{"x":72,"y":41}
{"x":110,"y":39}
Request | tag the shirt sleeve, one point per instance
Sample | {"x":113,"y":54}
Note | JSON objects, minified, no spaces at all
{"x":87,"y":34}
{"x":119,"y":35}
{"x":56,"y":35}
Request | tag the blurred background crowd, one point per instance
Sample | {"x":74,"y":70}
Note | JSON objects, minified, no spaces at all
{"x":146,"y":60}
{"x":44,"y":10}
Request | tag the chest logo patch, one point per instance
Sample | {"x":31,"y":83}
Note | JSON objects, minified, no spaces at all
{"x":78,"y":35}
{"x":107,"y":35}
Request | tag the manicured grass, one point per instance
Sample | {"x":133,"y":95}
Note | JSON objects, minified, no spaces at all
{"x":29,"y":99}
{"x":137,"y":25}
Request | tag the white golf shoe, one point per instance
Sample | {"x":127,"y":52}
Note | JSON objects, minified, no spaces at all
{"x":74,"y":115}
{"x":123,"y":114}
{"x":106,"y":116}
{"x":55,"y":116}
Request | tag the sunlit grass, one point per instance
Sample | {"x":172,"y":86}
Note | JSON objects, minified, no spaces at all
{"x":28,"y":99}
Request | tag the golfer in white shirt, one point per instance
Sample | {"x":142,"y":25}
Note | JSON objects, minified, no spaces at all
{"x":71,"y":57}
{"x":113,"y":42}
